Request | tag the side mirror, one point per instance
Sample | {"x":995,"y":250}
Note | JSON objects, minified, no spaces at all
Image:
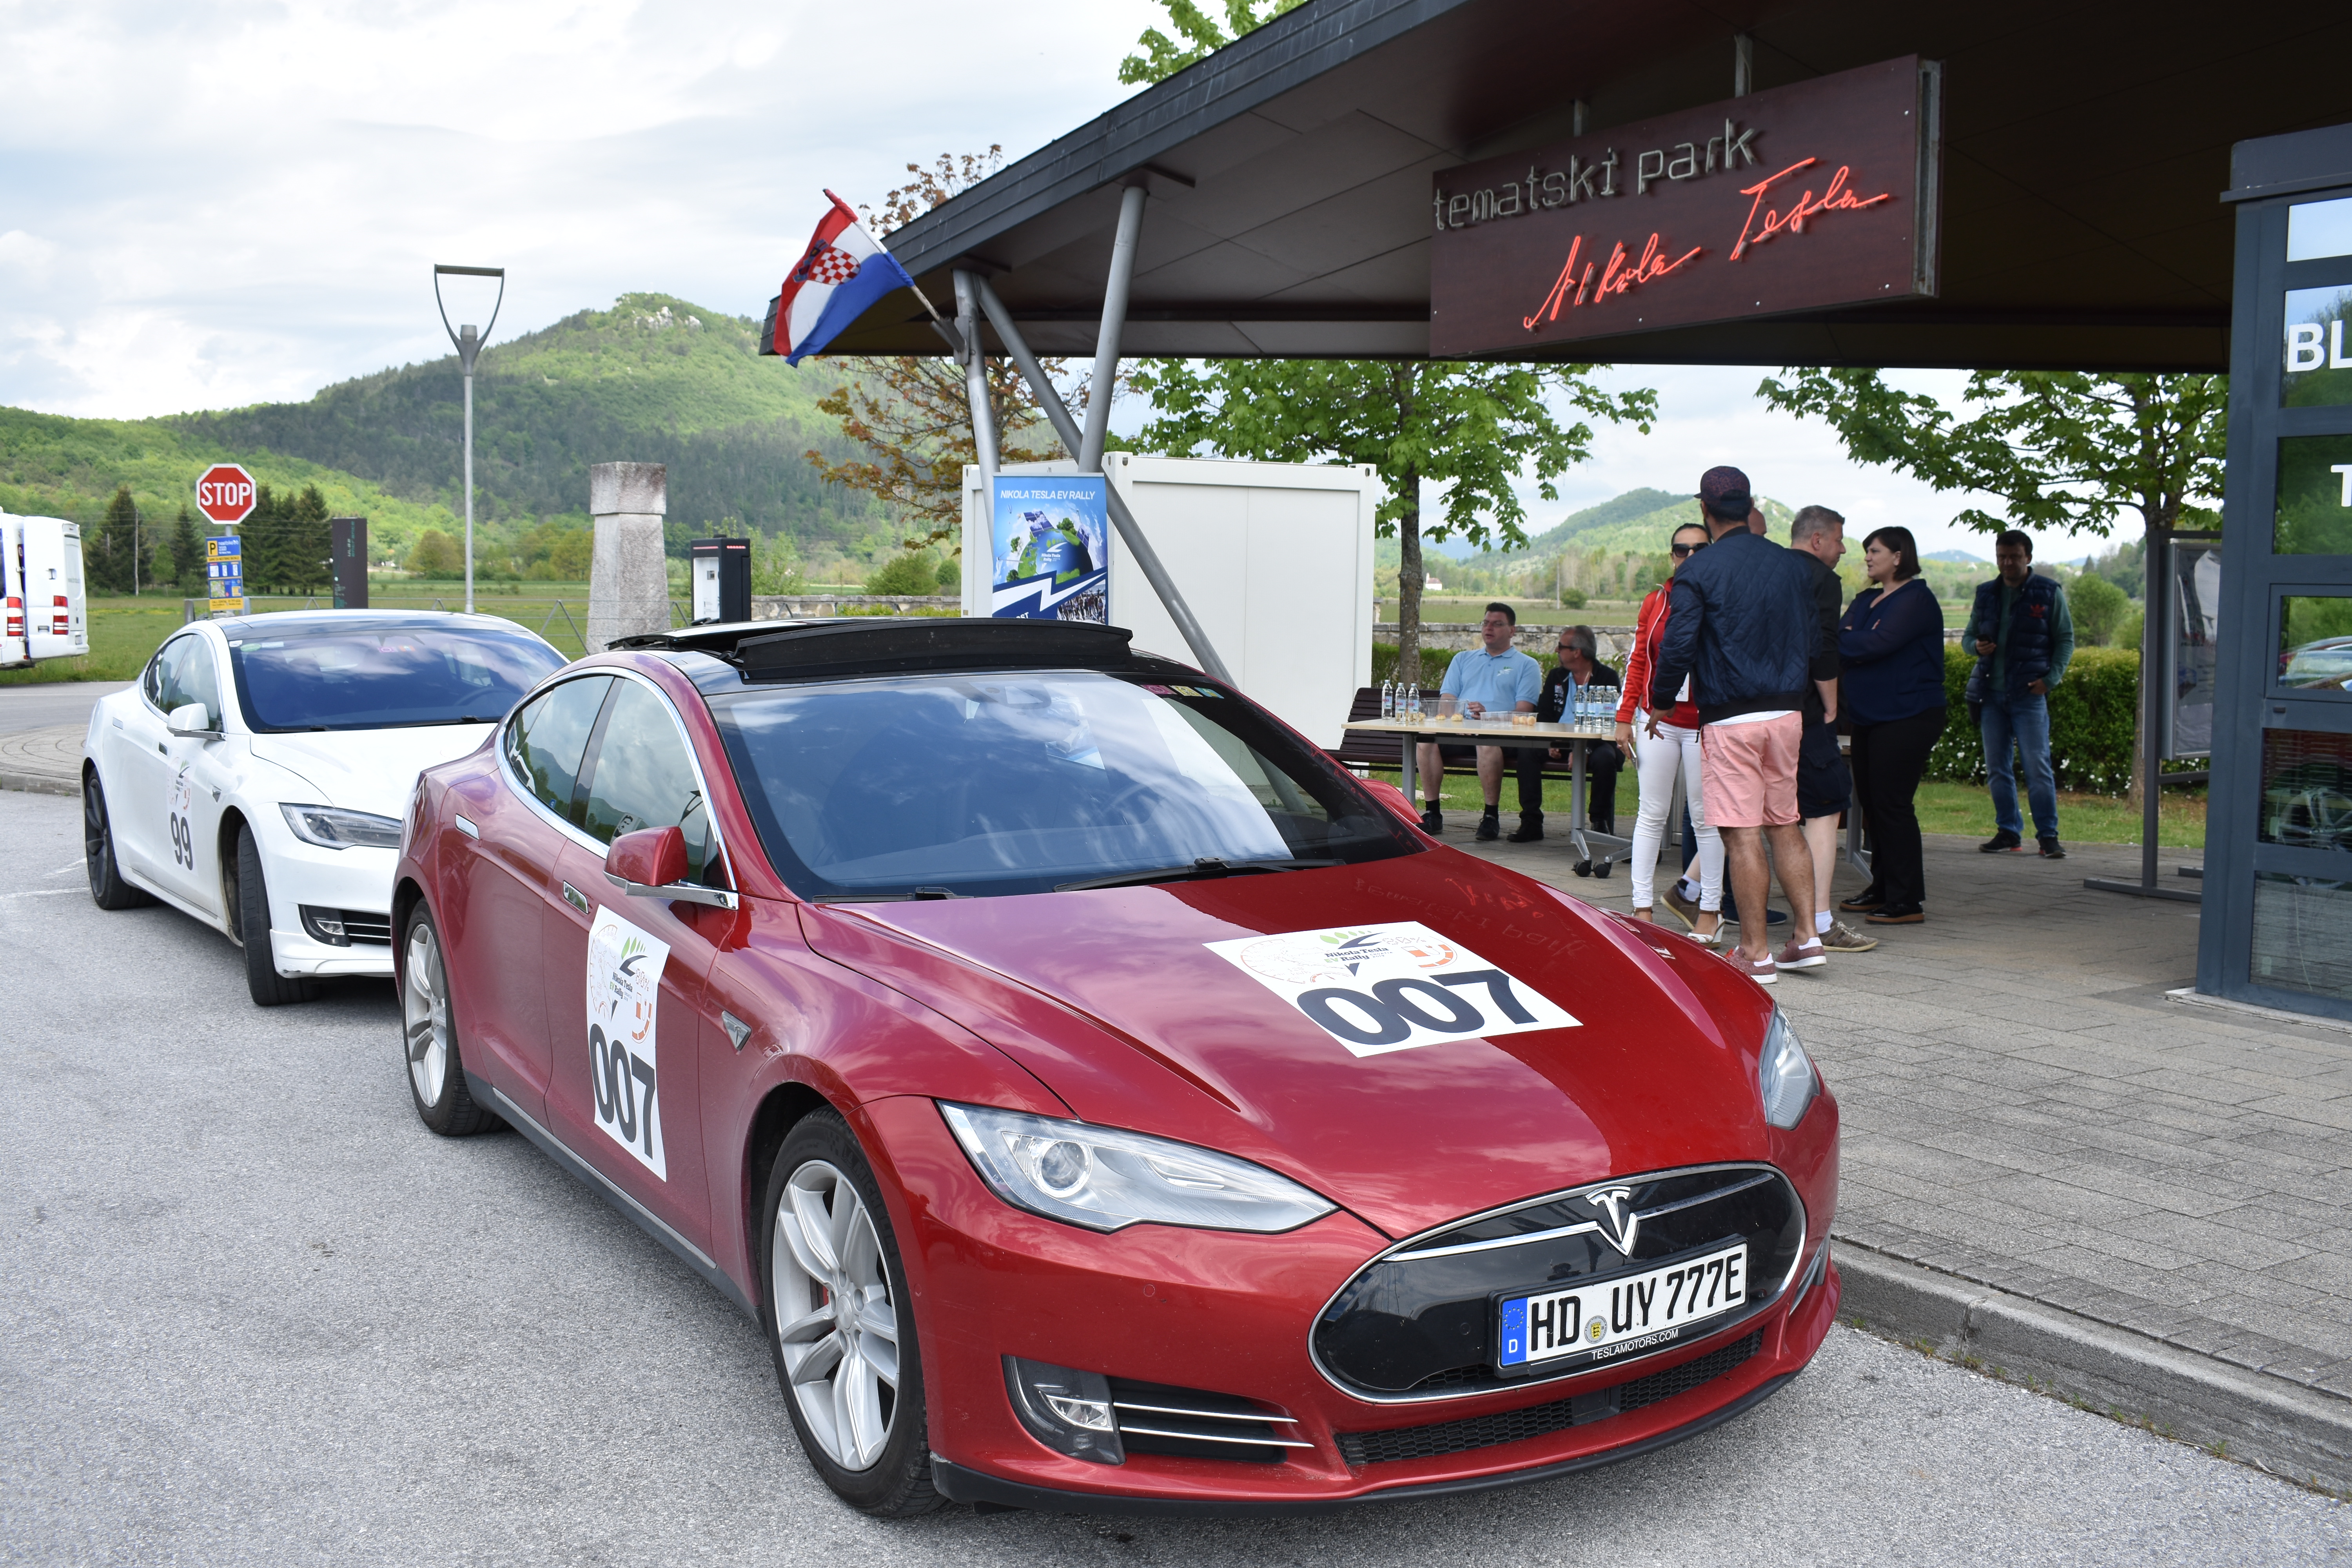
{"x":651,"y":864}
{"x":191,"y":718}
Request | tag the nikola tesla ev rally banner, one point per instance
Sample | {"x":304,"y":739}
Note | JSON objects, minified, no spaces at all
{"x":1049,"y":545}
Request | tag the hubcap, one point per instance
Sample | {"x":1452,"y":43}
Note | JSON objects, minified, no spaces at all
{"x":424,"y":1014}
{"x":834,"y":1315}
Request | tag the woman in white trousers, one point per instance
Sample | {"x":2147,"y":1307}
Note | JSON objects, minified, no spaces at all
{"x":1662,"y":743}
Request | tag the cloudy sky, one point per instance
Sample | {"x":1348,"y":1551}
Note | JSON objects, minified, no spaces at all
{"x":211,"y":202}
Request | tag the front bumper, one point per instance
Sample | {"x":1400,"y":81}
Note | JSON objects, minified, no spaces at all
{"x":357,"y":879}
{"x":1228,"y":1314}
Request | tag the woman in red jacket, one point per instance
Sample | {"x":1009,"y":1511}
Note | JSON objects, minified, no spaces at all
{"x":1665,"y":742}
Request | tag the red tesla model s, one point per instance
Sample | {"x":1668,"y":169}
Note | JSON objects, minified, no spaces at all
{"x":1103,"y":1101}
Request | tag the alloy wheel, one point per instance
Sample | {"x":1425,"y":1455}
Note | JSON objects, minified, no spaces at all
{"x":836,"y":1318}
{"x":424,"y":1014}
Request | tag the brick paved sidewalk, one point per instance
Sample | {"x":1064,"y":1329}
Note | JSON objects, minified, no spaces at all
{"x":2024,"y":1109}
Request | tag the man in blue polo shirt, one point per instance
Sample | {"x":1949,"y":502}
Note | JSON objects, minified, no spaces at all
{"x":1493,"y":678}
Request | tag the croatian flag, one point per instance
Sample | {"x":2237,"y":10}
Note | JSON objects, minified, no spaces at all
{"x":843,"y":271}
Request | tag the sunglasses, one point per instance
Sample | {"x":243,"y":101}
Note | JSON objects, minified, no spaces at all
{"x":1682,"y":550}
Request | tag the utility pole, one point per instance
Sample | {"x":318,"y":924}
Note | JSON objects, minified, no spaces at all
{"x":469,"y":345}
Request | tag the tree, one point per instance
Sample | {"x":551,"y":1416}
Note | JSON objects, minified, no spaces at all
{"x":187,"y":551}
{"x":2098,"y":607}
{"x":109,"y":551}
{"x":306,"y":553}
{"x":1473,"y":427}
{"x":911,"y":574}
{"x":1162,"y":57}
{"x":913,"y":413}
{"x":2065,"y":450}
{"x":437,"y":554}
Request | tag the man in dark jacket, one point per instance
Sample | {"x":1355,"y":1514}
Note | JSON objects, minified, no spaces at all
{"x":1579,"y":666}
{"x":2023,"y":637}
{"x":1743,"y":625}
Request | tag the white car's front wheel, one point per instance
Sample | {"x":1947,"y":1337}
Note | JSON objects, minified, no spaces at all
{"x":250,"y":909}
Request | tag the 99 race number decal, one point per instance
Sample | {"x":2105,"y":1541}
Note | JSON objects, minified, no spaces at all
{"x":1391,"y":987}
{"x":625,"y":971}
{"x":180,"y":802}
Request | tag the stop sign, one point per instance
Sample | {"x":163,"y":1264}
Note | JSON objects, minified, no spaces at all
{"x":225,"y":494}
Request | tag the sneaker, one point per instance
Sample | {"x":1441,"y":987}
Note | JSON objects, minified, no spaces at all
{"x":1802,"y":955}
{"x":1529,"y":829}
{"x":1490,"y":826}
{"x":2051,"y":849}
{"x":1763,"y":970}
{"x":1864,"y":902}
{"x":1685,"y":908}
{"x":1432,"y":821}
{"x":2001,"y":842}
{"x":1842,"y":938}
{"x":1897,"y":915}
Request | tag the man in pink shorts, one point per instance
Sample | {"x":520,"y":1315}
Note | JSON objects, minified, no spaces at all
{"x":1742,"y":625}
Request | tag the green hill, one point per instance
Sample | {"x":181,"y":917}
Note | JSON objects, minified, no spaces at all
{"x":654,"y":379}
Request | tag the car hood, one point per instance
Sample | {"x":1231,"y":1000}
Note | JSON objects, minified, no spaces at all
{"x":1112,"y":998}
{"x":368,"y":770}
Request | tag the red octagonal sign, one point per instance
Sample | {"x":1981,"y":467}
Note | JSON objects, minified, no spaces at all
{"x":225,"y":493}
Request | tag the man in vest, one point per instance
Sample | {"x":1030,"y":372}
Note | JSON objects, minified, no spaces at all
{"x":2023,"y":638}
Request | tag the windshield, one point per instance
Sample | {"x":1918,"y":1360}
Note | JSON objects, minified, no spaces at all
{"x":995,"y":784}
{"x":361,"y":675}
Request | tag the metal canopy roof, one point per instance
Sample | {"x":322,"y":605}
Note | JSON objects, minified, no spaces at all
{"x":2085,"y":150}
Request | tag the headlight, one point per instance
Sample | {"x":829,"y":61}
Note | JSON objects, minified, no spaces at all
{"x":1787,"y":1075}
{"x":1105,"y":1179}
{"x":330,"y":827}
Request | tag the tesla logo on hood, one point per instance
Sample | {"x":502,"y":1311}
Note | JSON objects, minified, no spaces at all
{"x":1617,"y":1223}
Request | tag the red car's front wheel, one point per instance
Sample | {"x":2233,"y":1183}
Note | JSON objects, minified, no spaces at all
{"x":838,"y":1323}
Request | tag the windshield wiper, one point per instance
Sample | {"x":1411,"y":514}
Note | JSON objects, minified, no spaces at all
{"x":1207,"y":867}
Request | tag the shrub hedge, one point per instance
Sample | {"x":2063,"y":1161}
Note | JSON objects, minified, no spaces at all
{"x":2093,"y":722}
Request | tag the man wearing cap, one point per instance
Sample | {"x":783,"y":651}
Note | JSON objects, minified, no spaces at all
{"x":1743,"y":626}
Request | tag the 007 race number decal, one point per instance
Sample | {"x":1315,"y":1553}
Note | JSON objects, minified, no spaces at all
{"x":1391,"y":987}
{"x":624,"y":972}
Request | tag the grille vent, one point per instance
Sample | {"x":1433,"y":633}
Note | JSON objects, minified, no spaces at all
{"x":1193,"y":1424}
{"x":1542,"y":1420}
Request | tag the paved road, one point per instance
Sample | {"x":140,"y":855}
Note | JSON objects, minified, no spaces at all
{"x":42,"y":704}
{"x":251,"y":1312}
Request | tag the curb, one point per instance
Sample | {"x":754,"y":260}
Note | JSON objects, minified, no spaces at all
{"x":38,"y":783}
{"x":2298,"y":1434}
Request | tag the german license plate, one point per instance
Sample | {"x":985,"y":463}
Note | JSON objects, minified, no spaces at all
{"x":1633,"y":1312}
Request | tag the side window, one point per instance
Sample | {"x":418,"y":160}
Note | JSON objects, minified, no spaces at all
{"x":546,"y":740}
{"x":644,"y":778}
{"x":199,"y":679}
{"x":182,"y":674}
{"x":153,"y":681}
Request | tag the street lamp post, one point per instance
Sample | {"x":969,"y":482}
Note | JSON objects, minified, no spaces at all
{"x":470,"y":349}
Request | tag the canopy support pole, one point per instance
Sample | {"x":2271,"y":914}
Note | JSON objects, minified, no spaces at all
{"x":1154,"y":571}
{"x":975,"y":386}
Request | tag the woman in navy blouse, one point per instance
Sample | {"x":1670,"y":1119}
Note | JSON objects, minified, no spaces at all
{"x":1891,"y":696}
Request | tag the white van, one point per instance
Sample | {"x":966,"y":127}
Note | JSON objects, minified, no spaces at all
{"x":48,"y":614}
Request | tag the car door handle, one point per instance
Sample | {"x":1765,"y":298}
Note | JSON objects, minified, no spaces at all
{"x":575,"y":898}
{"x":161,"y":750}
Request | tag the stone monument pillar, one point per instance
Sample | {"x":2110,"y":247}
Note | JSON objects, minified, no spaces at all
{"x":628,"y":580}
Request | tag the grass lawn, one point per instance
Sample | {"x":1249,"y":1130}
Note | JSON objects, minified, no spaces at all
{"x":1944,"y":807}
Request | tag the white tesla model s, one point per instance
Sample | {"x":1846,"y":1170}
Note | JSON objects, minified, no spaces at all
{"x":255,"y":776}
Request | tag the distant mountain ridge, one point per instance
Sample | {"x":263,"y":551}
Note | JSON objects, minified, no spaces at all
{"x":653,"y":379}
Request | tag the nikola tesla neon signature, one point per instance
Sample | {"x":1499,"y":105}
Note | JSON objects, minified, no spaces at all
{"x":1572,"y":289}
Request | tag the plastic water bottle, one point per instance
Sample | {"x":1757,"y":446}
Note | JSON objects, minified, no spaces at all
{"x":1413,"y":700}
{"x":1388,"y":699}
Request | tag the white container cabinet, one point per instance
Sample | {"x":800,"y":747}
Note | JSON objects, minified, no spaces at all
{"x":1275,"y":560}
